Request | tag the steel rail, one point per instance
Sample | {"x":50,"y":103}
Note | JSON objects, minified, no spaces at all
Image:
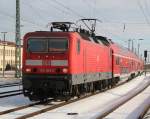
{"x":65,"y":103}
{"x":19,"y":108}
{"x":147,"y":115}
{"x":10,"y":92}
{"x":54,"y":106}
{"x":9,"y":95}
{"x":122,"y":100}
{"x":9,"y":85}
{"x":147,"y":107}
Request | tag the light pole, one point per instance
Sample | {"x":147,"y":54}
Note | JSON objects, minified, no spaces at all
{"x":129,"y":44}
{"x":139,"y":46}
{"x":132,"y":46}
{"x":18,"y":42}
{"x":4,"y":33}
{"x":148,"y":58}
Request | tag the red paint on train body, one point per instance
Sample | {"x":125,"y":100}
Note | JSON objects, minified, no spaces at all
{"x":65,"y":62}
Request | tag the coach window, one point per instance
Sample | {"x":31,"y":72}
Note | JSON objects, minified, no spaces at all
{"x":117,"y":60}
{"x":78,"y":46}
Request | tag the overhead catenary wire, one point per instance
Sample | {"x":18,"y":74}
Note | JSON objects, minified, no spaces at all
{"x":146,"y":6}
{"x":66,"y":12}
{"x":27,"y":3}
{"x":22,"y":19}
{"x":68,"y":8}
{"x":143,"y":12}
{"x":44,"y":12}
{"x":92,"y":4}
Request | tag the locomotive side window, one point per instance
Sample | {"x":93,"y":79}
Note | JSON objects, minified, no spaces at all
{"x":78,"y":46}
{"x":117,"y":60}
{"x":35,"y":45}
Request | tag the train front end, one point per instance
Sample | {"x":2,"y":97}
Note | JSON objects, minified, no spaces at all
{"x":46,"y":65}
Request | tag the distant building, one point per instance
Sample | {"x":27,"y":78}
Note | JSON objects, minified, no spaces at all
{"x":9,"y":55}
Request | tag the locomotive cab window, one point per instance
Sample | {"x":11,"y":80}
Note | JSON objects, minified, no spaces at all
{"x":37,"y":45}
{"x":57,"y":45}
{"x":78,"y":46}
{"x":47,"y":45}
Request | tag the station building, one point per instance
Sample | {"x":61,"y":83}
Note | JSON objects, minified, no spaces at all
{"x":9,"y":55}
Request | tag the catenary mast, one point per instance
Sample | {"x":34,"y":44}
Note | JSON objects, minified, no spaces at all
{"x":18,"y":42}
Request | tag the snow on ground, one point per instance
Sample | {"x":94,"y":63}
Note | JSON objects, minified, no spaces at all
{"x":16,"y":114}
{"x":12,"y":102}
{"x":84,"y":108}
{"x":147,"y":115}
{"x":133,"y":108}
{"x":89,"y":106}
{"x":28,"y":110}
{"x":10,"y":88}
{"x":9,"y":77}
{"x":9,"y":80}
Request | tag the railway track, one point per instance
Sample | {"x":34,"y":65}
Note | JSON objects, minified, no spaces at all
{"x":10,"y":85}
{"x":10,"y":89}
{"x":119,"y":102}
{"x":19,"y":108}
{"x":102,"y":114}
{"x":10,"y":93}
{"x":52,"y":104}
{"x":146,"y":113}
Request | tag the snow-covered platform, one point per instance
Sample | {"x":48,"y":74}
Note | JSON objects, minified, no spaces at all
{"x":9,"y":77}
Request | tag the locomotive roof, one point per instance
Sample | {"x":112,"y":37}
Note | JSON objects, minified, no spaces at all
{"x":97,"y":39}
{"x":123,"y":51}
{"x":84,"y":35}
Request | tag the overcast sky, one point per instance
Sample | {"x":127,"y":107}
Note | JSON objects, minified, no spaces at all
{"x":133,"y":15}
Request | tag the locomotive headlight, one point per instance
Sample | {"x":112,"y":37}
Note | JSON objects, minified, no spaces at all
{"x":65,"y":70}
{"x":28,"y":70}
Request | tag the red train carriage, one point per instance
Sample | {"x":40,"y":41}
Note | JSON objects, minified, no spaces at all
{"x":64,"y":64}
{"x":126,"y":64}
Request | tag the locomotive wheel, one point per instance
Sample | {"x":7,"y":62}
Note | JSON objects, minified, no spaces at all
{"x":109,"y":83}
{"x":104,"y":84}
{"x":92,"y":88}
{"x":76,"y":91}
{"x":87,"y":87}
{"x":99,"y":87}
{"x":31,"y":98}
{"x":67,"y":98}
{"x":44,"y":100}
{"x":113,"y":81}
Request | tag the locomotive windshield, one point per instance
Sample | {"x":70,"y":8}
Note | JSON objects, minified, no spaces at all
{"x":57,"y":45}
{"x":47,"y":44}
{"x":37,"y":45}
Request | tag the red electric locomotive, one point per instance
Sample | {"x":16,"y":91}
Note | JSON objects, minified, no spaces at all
{"x":62,"y":64}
